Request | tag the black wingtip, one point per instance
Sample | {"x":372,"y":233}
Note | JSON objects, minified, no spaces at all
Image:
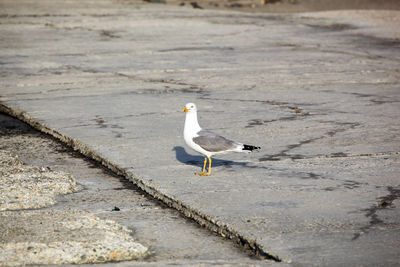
{"x":250,"y":147}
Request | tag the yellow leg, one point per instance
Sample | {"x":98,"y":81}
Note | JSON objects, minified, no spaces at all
{"x":209,"y":168}
{"x":204,"y":168}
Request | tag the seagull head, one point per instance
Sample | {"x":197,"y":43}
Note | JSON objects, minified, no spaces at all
{"x":190,"y":107}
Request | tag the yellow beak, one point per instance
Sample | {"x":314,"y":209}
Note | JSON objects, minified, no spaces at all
{"x":185,"y":109}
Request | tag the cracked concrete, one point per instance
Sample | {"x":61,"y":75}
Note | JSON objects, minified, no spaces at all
{"x":170,"y":238}
{"x":321,"y":98}
{"x":30,"y":235}
{"x":29,"y":187}
{"x":63,"y":237}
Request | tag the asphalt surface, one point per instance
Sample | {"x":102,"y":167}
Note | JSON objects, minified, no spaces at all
{"x":321,"y":98}
{"x":171,"y":238}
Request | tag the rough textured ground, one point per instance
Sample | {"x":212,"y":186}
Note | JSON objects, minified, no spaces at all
{"x":171,"y":238}
{"x":285,"y":6}
{"x":377,"y":23}
{"x":50,"y":236}
{"x":320,"y":97}
{"x":59,"y":237}
{"x":29,"y":187}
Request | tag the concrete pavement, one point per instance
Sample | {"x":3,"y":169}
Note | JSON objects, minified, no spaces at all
{"x":319,"y":97}
{"x":171,"y":238}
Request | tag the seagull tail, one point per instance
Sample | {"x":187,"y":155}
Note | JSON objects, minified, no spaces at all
{"x":250,"y":148}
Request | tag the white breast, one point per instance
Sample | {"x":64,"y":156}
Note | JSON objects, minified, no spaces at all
{"x":190,"y":131}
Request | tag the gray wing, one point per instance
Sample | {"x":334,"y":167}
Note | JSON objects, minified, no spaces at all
{"x":213,"y":142}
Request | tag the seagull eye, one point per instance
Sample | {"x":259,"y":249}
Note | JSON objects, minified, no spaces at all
{"x":192,"y":107}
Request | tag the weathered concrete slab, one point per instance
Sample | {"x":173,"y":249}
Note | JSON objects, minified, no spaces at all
{"x":321,"y":100}
{"x":30,"y":187}
{"x":53,"y":236}
{"x":60,"y":237}
{"x":171,"y":238}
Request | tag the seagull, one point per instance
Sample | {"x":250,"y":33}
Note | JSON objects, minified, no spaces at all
{"x":206,"y":142}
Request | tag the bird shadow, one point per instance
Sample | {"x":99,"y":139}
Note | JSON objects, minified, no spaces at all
{"x":186,"y":158}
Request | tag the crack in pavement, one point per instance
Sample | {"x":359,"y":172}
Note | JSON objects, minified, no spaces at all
{"x":258,"y":122}
{"x":339,"y":155}
{"x":197,"y":160}
{"x":373,"y":98}
{"x":191,"y":88}
{"x":283,"y":153}
{"x":295,"y":109}
{"x":384,"y":202}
